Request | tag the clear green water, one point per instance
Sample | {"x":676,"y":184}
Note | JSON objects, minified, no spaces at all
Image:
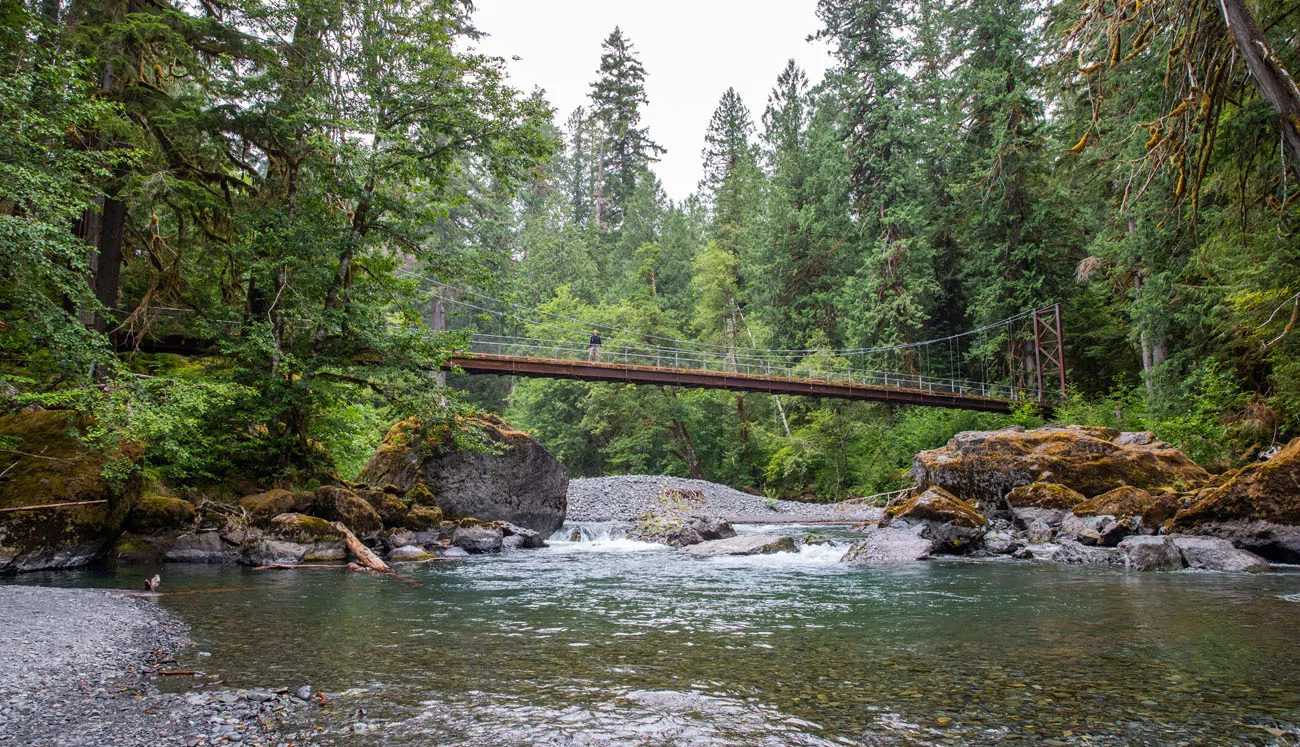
{"x":613,"y":643}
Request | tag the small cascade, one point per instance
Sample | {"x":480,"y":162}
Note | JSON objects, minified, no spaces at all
{"x":598,"y":536}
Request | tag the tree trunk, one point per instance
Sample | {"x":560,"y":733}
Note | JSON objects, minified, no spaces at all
{"x":1272,"y":81}
{"x":108,"y":263}
{"x":688,"y":449}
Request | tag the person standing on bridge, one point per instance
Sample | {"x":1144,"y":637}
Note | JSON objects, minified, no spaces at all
{"x":593,"y":350}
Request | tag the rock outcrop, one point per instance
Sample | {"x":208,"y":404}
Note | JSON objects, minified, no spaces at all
{"x":888,"y":545}
{"x":55,"y":467}
{"x":984,"y":466}
{"x":1151,"y":554}
{"x":515,"y":480}
{"x":745,"y":544}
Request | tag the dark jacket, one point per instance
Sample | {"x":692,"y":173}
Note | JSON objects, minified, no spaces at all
{"x":595,"y":340}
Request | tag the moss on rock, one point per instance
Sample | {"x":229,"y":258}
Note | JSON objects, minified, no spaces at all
{"x":937,"y":505}
{"x":1266,"y":491}
{"x":420,"y":495}
{"x":303,"y":529}
{"x":1044,"y":495}
{"x":57,"y":467}
{"x":157,"y":513}
{"x":421,"y":518}
{"x":390,"y":508}
{"x":340,"y":504}
{"x":266,"y":506}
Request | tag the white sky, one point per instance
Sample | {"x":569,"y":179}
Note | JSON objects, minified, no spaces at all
{"x":692,"y":51}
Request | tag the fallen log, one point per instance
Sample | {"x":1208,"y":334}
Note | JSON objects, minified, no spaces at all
{"x":363,"y":554}
{"x":51,"y":505}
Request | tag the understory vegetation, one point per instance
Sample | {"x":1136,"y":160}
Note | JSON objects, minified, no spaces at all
{"x":234,"y":231}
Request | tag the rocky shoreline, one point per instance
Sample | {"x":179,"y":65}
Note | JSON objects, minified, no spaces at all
{"x":626,"y":497}
{"x":78,"y":667}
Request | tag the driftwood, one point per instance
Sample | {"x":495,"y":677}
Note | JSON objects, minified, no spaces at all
{"x":51,"y":505}
{"x":363,"y":554}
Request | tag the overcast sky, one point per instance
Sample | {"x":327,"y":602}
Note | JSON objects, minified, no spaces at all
{"x":692,"y":51}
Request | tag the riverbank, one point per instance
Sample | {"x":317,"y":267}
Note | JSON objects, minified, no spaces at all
{"x":77,"y":668}
{"x":625,"y":497}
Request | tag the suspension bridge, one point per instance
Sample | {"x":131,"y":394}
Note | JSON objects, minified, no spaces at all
{"x":934,"y":373}
{"x":994,"y":368}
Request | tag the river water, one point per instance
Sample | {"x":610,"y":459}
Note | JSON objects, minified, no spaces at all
{"x":617,"y":642}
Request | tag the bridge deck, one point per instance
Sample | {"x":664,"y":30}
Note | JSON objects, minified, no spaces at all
{"x":552,"y":368}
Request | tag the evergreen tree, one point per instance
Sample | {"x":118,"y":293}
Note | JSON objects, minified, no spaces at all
{"x":625,"y":150}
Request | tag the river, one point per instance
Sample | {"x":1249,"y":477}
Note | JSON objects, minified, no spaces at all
{"x":616,"y":642}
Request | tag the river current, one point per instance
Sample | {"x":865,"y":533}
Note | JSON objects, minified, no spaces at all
{"x":616,"y":642}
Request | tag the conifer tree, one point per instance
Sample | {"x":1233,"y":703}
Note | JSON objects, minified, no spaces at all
{"x":625,"y":150}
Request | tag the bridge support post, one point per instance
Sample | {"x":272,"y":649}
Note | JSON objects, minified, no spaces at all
{"x":1049,"y":350}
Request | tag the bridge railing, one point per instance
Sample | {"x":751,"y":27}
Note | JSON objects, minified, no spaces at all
{"x":739,"y":363}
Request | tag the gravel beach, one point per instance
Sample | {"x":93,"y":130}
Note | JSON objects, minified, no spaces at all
{"x":625,"y":497}
{"x":75,"y":669}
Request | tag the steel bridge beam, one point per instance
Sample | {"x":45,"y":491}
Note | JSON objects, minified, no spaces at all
{"x":509,"y":365}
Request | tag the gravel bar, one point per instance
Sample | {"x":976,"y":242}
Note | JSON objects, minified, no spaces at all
{"x":625,"y":497}
{"x":76,"y":669}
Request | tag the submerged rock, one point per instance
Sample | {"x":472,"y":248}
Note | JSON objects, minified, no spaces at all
{"x":1215,"y":554}
{"x":1151,"y":554}
{"x":887,"y":545}
{"x":744,"y":544}
{"x":70,"y":471}
{"x":522,"y":484}
{"x":984,"y":466}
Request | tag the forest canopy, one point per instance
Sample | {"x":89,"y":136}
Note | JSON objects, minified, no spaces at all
{"x":303,"y":191}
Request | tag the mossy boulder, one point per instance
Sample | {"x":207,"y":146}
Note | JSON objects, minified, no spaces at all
{"x":303,"y":529}
{"x":934,"y":505}
{"x":511,"y":479}
{"x":1266,"y":491}
{"x":57,"y":467}
{"x":333,"y":503}
{"x":423,"y":518}
{"x":140,"y":549}
{"x":157,"y":513}
{"x":1154,"y":508}
{"x":420,"y":495}
{"x":392,"y":511}
{"x":1044,"y":495}
{"x":263,"y":507}
{"x":984,"y":466}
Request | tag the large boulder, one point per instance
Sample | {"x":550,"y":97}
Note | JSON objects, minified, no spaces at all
{"x":1127,"y":501}
{"x":422,"y":518}
{"x":48,"y":464}
{"x":514,"y":479}
{"x":333,"y":503}
{"x":201,"y":547}
{"x":1279,"y":543}
{"x":676,"y":529}
{"x":984,"y":466}
{"x":1265,"y":491}
{"x":263,"y":507}
{"x":1214,"y":554}
{"x":1151,"y":554}
{"x":392,"y":511}
{"x":953,"y":526}
{"x":1073,"y":553}
{"x":887,"y":545}
{"x":157,"y":513}
{"x":477,"y":537}
{"x":322,"y":541}
{"x":745,"y":544}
